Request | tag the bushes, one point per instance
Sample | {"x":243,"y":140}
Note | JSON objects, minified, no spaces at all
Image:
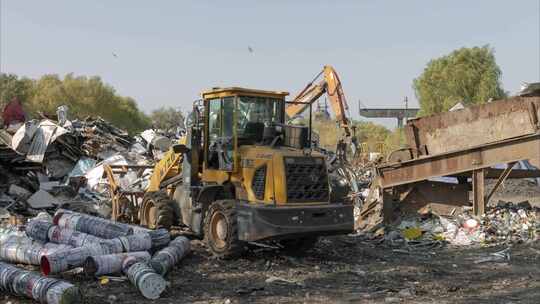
{"x":85,"y":96}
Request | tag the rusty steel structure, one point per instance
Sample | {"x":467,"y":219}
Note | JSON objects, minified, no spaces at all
{"x":464,"y":144}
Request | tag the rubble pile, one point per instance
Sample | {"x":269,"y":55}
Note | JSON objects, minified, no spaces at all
{"x":71,"y":240}
{"x":48,"y":167}
{"x":504,"y":223}
{"x":101,"y":139}
{"x":45,"y":165}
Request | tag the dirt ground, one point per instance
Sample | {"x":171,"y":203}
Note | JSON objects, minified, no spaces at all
{"x":344,"y":269}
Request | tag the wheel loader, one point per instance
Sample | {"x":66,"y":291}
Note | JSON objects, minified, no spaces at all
{"x":240,"y":175}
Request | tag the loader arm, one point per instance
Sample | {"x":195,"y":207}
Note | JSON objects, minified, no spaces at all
{"x":168,"y":167}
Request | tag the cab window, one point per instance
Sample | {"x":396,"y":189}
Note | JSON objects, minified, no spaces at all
{"x":214,"y":119}
{"x":220,"y":133}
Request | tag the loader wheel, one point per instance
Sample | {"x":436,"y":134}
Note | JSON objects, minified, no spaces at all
{"x":221,"y":230}
{"x":299,"y":247}
{"x":157,"y":211}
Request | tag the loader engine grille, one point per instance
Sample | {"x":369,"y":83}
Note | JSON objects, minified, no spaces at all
{"x":307,"y":179}
{"x":259,"y":182}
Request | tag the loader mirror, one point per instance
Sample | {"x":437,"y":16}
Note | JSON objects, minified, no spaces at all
{"x":179,"y":148}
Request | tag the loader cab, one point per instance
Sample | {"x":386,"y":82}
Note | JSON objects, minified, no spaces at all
{"x":235,"y":117}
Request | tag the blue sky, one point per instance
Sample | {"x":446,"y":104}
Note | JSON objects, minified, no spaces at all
{"x":168,"y":51}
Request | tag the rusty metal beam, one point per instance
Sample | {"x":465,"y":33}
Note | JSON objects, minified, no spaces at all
{"x":477,"y":125}
{"x":452,"y":163}
{"x":501,"y":180}
{"x":479,"y":202}
{"x":492,"y":173}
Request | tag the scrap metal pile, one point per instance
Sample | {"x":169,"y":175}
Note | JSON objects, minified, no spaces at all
{"x":101,"y":247}
{"x":45,"y":164}
{"x":48,"y":165}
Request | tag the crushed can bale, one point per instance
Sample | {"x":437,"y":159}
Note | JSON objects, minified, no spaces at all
{"x":61,"y":261}
{"x":147,"y":281}
{"x":38,"y":230}
{"x":29,"y":253}
{"x":166,"y":258}
{"x":113,"y":263}
{"x":71,"y":237}
{"x":96,"y":226}
{"x":32,"y":285}
{"x":160,"y":237}
{"x":16,"y":247}
{"x":136,"y":242}
{"x":7,"y":232}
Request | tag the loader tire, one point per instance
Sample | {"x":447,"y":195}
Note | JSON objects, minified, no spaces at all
{"x":221,"y":230}
{"x":157,"y":211}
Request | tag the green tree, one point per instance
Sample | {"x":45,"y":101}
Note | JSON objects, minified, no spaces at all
{"x":167,"y":118}
{"x":367,"y":131}
{"x":84,"y":96}
{"x":13,"y":86}
{"x":468,"y":75}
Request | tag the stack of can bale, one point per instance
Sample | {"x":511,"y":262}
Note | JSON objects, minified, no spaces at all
{"x":100,"y":246}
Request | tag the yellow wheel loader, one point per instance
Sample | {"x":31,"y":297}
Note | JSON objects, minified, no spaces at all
{"x":240,"y":175}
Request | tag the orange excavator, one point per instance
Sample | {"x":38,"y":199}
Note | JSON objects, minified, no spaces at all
{"x":331,"y":85}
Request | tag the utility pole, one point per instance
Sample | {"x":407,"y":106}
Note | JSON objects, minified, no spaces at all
{"x":406,"y":109}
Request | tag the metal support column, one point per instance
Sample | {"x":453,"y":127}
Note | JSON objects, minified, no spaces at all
{"x":399,"y":122}
{"x":501,"y":180}
{"x":479,"y":201}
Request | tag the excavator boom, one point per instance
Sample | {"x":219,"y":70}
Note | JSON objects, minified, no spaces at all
{"x":334,"y":90}
{"x":331,"y":85}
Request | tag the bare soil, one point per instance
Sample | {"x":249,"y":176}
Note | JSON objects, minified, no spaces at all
{"x":342,"y":269}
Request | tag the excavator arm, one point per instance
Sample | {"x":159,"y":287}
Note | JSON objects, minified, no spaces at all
{"x":331,"y":85}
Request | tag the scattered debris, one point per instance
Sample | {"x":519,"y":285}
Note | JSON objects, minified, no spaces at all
{"x":499,"y":256}
{"x":503,"y":223}
{"x":274,"y":279}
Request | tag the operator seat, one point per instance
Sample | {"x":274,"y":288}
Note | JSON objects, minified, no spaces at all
{"x":253,"y":133}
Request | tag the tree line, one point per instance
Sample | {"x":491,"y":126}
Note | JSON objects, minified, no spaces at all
{"x":84,"y":96}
